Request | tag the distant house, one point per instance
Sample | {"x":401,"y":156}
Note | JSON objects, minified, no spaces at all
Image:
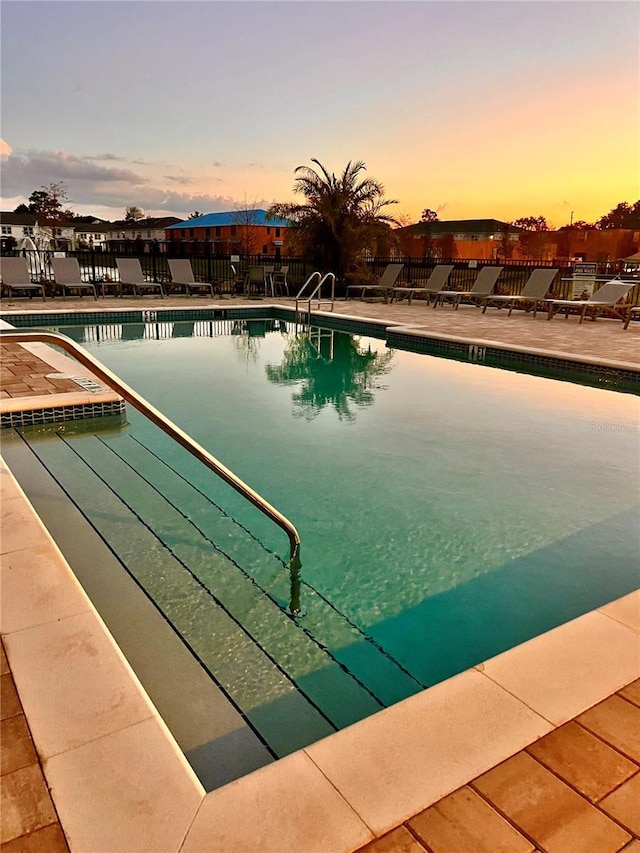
{"x":91,"y":232}
{"x":458,"y":238}
{"x":14,"y":227}
{"x":144,"y":232}
{"x":243,"y":232}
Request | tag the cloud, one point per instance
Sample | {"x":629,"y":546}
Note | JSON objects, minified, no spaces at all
{"x":91,"y":183}
{"x":187,"y":202}
{"x":112,"y":157}
{"x":178,"y":179}
{"x":25,"y":171}
{"x":5,"y":149}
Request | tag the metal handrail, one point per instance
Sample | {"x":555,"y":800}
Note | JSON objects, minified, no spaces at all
{"x":308,"y":298}
{"x":299,"y":296}
{"x":168,"y":427}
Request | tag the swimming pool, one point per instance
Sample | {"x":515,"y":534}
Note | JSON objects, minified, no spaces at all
{"x":448,"y":511}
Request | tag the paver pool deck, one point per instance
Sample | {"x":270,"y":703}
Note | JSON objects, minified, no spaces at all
{"x":536,"y":749}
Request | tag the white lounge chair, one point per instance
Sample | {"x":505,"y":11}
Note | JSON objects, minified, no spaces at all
{"x":67,"y":274}
{"x":433,"y":285}
{"x":16,"y":277}
{"x":384,"y":286}
{"x":533,"y":293}
{"x":131,"y":274}
{"x":605,"y":298}
{"x":182,"y":275}
{"x":482,"y":287}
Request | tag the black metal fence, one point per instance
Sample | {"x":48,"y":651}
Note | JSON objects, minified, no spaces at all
{"x":100,"y":266}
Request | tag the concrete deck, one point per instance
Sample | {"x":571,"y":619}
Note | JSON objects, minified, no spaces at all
{"x":537,"y":749}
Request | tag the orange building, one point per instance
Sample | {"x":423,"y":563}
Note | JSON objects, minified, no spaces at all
{"x":494,"y":240}
{"x":459,"y":238}
{"x":242,"y":232}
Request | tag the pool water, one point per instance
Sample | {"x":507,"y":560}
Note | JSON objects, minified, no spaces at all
{"x":447,"y":511}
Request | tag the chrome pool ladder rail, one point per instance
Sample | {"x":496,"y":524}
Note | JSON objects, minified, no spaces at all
{"x":169,"y":428}
{"x":315,"y":295}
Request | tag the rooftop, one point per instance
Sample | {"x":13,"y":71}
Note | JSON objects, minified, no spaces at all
{"x":253,"y":216}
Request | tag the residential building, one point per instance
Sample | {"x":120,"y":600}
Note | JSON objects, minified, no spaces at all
{"x":459,"y":238}
{"x":243,"y":232}
{"x":15,"y":227}
{"x":146,"y":234}
{"x":594,"y":244}
{"x":91,"y":233}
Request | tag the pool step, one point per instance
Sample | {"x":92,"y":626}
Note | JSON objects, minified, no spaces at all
{"x":348,"y":645}
{"x":255,"y":660}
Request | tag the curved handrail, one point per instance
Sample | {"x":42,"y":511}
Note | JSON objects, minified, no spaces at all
{"x":167,"y":426}
{"x":299,"y":296}
{"x":318,"y":289}
{"x":308,"y":298}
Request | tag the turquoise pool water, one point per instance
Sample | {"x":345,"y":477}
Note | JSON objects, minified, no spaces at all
{"x":447,"y":511}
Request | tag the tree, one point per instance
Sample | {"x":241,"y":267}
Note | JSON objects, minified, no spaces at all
{"x":532,"y":223}
{"x":22,"y":208}
{"x":133,"y":213}
{"x":195,"y":215}
{"x":617,"y":218}
{"x":245,"y":218}
{"x":429,"y":215}
{"x":341,"y":218}
{"x":47,"y":202}
{"x":504,"y":246}
{"x":532,"y":237}
{"x":426,"y":220}
{"x":578,"y":225}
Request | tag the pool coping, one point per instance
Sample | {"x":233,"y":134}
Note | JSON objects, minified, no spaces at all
{"x":336,"y":794}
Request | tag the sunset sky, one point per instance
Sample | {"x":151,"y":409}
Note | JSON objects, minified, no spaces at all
{"x":474,"y":109}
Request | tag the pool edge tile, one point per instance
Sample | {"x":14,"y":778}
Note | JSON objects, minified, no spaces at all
{"x":124,"y":792}
{"x":397,"y":762}
{"x":561,"y":673}
{"x":287,"y":807}
{"x":625,"y":610}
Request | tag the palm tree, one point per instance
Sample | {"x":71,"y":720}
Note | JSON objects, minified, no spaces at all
{"x":341,"y":216}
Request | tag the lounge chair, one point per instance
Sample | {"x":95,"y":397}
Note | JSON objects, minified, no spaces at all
{"x":482,"y":287}
{"x":605,"y":298}
{"x":255,"y":282}
{"x":67,"y":274}
{"x":533,"y":293}
{"x":435,"y":283}
{"x":16,"y":277}
{"x":131,"y":274}
{"x":182,"y":275}
{"x":279,"y":281}
{"x":630,"y":313}
{"x":384,"y":286}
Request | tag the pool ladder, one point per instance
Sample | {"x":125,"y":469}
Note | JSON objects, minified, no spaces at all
{"x":168,"y":427}
{"x":311,"y":295}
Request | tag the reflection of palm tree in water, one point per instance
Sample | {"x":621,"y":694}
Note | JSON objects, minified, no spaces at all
{"x":332,"y":370}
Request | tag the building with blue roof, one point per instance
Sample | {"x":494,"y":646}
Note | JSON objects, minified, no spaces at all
{"x":243,"y":232}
